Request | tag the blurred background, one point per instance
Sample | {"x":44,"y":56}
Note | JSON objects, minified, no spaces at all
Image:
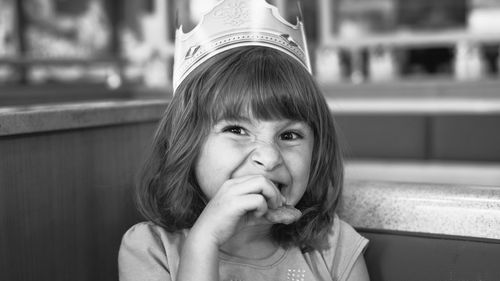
{"x":411,"y":80}
{"x":414,"y":87}
{"x":352,"y":41}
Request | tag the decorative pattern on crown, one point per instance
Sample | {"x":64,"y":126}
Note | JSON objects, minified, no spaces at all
{"x":235,"y":23}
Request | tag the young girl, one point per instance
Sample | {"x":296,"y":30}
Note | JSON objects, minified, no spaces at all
{"x":247,"y":133}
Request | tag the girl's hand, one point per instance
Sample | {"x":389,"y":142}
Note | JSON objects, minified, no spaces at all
{"x":235,"y":205}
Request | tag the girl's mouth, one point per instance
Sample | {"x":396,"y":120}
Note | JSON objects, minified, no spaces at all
{"x":283,"y":188}
{"x":278,"y":185}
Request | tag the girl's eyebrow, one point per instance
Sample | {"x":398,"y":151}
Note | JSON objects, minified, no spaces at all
{"x":231,"y":121}
{"x":235,"y":119}
{"x":295,"y":123}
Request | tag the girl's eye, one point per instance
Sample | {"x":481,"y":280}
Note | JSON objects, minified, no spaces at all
{"x":237,"y":130}
{"x":290,"y":136}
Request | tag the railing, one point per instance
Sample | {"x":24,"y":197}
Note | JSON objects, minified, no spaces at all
{"x":446,"y":38}
{"x":108,"y":70}
{"x":381,"y":54}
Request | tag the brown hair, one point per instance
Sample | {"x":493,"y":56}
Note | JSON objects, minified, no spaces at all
{"x":270,"y":85}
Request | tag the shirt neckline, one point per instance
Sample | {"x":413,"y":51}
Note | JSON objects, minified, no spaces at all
{"x":267,"y":262}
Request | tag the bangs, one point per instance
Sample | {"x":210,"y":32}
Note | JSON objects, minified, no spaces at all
{"x":266,"y":87}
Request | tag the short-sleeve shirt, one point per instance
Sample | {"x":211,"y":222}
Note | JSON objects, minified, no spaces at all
{"x":149,"y":252}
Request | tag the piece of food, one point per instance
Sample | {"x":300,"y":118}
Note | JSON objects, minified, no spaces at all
{"x":286,"y":215}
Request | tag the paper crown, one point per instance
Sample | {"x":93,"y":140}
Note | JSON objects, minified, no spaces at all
{"x":235,"y":23}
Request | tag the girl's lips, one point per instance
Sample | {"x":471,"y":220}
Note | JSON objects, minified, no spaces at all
{"x":277,"y":184}
{"x":283,"y":189}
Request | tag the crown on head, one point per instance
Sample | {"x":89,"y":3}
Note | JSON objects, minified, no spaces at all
{"x":235,"y":23}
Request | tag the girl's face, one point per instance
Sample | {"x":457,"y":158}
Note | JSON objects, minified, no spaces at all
{"x":280,"y":150}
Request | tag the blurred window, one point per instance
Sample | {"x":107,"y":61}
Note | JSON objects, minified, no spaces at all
{"x":385,"y":40}
{"x":60,"y":44}
{"x":57,"y":41}
{"x":112,"y":43}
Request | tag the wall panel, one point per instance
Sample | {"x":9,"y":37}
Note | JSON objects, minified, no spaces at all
{"x":65,"y":201}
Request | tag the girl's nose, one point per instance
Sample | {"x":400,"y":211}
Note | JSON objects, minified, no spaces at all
{"x":266,"y":156}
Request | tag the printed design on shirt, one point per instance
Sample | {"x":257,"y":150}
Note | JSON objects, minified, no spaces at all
{"x":295,"y":275}
{"x":291,"y":275}
{"x":232,"y":278}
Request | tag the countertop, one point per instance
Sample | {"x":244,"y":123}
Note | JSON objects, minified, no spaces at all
{"x":458,"y":210}
{"x":60,"y":116}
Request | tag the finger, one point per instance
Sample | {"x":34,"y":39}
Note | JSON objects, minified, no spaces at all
{"x":255,"y":203}
{"x":242,"y":179}
{"x":261,"y":185}
{"x":234,"y":185}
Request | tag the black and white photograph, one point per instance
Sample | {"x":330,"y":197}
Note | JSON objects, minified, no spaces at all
{"x":249,"y":140}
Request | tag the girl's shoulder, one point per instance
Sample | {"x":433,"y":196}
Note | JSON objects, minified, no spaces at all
{"x":343,"y":239}
{"x":148,"y":234}
{"x":151,"y":232}
{"x":345,"y":245}
{"x":147,"y":247}
{"x":343,"y":234}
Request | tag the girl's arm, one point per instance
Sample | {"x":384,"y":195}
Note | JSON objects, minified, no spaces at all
{"x":199,"y":258}
{"x":220,"y":219}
